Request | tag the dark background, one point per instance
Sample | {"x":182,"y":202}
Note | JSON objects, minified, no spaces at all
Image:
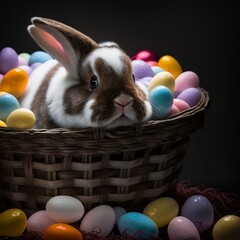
{"x":201,"y":35}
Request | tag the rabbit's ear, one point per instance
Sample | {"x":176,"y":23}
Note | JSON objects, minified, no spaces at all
{"x":65,"y":44}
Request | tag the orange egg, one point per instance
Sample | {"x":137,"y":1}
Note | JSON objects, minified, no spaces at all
{"x":14,"y":82}
{"x":170,"y":64}
{"x":62,"y":231}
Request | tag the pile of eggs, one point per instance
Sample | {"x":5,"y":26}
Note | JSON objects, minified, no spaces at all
{"x":15,"y":70}
{"x":170,"y":89}
{"x":64,"y":218}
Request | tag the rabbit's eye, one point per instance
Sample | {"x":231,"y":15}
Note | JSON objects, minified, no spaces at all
{"x":133,"y":77}
{"x":93,"y":82}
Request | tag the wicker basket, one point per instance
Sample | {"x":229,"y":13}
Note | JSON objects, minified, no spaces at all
{"x":126,"y":166}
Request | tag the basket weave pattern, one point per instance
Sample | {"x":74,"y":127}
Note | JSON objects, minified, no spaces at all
{"x":126,"y":166}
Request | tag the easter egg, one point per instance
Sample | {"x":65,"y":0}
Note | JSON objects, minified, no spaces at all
{"x":152,"y":63}
{"x":35,"y":65}
{"x":174,"y":110}
{"x":199,"y":210}
{"x":8,"y":59}
{"x":162,"y":78}
{"x":180,"y":104}
{"x":186,"y":80}
{"x":99,"y":220}
{"x":145,"y":55}
{"x":2,"y":124}
{"x":62,"y":231}
{"x":12,"y":222}
{"x":24,"y":58}
{"x":65,"y":209}
{"x":162,"y":210}
{"x":21,"y":118}
{"x":15,"y":82}
{"x":156,"y":69}
{"x":161,"y":98}
{"x":39,"y":221}
{"x":8,"y":103}
{"x":170,"y":64}
{"x":145,"y":81}
{"x":119,"y":211}
{"x":226,"y":228}
{"x":181,"y":228}
{"x":141,"y":69}
{"x":1,"y":77}
{"x":26,"y":68}
{"x":191,"y":96}
{"x":137,"y":225}
{"x":39,"y":56}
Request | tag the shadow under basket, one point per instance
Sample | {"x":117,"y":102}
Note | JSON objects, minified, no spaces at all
{"x":125,"y":166}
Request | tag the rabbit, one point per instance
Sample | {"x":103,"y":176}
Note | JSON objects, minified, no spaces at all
{"x":85,"y":84}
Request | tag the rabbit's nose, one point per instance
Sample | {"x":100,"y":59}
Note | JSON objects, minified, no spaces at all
{"x":123,"y":100}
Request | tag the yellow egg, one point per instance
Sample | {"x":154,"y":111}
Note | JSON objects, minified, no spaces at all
{"x":162,"y":78}
{"x":162,"y":210}
{"x":21,"y":118}
{"x":14,"y":82}
{"x":12,"y":222}
{"x":170,"y":64}
{"x":226,"y":228}
{"x":2,"y":124}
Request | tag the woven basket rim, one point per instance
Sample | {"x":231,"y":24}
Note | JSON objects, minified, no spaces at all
{"x":201,"y":106}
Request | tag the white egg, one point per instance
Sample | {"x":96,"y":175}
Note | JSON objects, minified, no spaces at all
{"x":65,"y":209}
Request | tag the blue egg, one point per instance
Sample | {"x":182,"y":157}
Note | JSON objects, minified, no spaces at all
{"x":137,"y":225}
{"x":8,"y":103}
{"x":161,"y":99}
{"x":156,"y":69}
{"x":38,"y":56}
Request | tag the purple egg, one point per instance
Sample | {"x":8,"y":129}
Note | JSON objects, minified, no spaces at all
{"x":145,"y":81}
{"x":199,"y":210}
{"x":191,"y":96}
{"x":141,"y":69}
{"x":8,"y":59}
{"x":35,"y":65}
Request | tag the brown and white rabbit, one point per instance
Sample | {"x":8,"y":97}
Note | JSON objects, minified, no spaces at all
{"x":85,"y":84}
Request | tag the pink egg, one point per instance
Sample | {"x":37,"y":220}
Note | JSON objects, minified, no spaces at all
{"x":174,"y":110}
{"x":99,"y":220}
{"x":190,"y":95}
{"x":182,"y":228}
{"x":152,"y":63}
{"x":180,"y":104}
{"x":8,"y":59}
{"x":186,"y":80}
{"x":146,"y":55}
{"x":39,"y":221}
